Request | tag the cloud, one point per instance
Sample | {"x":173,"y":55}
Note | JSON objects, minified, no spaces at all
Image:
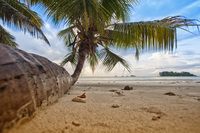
{"x":191,"y":8}
{"x":186,"y":66}
{"x":180,"y":63}
{"x":47,"y":25}
{"x":152,"y":63}
{"x":30,"y":44}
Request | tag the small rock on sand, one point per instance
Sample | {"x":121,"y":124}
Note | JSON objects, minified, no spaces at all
{"x":127,"y":88}
{"x":76,"y":124}
{"x":115,"y":106}
{"x":156,"y":117}
{"x":77,"y":99}
{"x":170,"y":94}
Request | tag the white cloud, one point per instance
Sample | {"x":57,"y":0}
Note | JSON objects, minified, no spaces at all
{"x":150,"y":64}
{"x":47,"y":25}
{"x":193,"y":5}
{"x":30,"y":44}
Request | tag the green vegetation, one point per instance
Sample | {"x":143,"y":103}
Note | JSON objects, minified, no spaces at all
{"x":166,"y":73}
{"x":16,"y":14}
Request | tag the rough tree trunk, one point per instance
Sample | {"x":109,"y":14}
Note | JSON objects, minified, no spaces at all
{"x":81,"y":60}
{"x":27,"y":82}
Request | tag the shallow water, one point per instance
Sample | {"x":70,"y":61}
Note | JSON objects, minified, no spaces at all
{"x":140,"y":78}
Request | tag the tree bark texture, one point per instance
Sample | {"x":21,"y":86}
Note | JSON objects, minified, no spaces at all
{"x":27,"y":82}
{"x":81,"y":60}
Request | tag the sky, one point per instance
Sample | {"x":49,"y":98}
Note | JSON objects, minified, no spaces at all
{"x":185,"y":58}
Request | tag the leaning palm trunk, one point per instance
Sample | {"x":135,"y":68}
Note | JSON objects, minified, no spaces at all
{"x":27,"y":82}
{"x":81,"y":60}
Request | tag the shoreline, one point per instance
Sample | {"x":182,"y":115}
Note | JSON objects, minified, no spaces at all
{"x":124,"y":112}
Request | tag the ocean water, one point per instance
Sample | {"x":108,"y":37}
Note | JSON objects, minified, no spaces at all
{"x":140,"y":78}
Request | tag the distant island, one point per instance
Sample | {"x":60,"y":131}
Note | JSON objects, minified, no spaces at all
{"x":166,"y":73}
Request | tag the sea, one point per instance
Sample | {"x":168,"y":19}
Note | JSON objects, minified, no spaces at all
{"x":138,"y":78}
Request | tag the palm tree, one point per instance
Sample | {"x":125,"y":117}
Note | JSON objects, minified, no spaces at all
{"x":94,"y":26}
{"x":16,"y":13}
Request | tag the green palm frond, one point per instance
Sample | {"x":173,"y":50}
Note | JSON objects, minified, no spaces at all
{"x":85,"y":16}
{"x":93,"y":60}
{"x":147,"y":35}
{"x":19,"y":15}
{"x":13,"y":12}
{"x":7,"y":38}
{"x":36,"y":2}
{"x":120,"y":9}
{"x":66,"y":10}
{"x":178,"y":21}
{"x":71,"y":57}
{"x":67,"y":35}
{"x":89,"y":12}
{"x":158,"y":34}
{"x":110,"y":59}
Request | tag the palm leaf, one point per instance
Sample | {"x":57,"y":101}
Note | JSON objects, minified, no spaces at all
{"x":88,"y":12}
{"x":93,"y":60}
{"x":40,"y":2}
{"x":178,"y":21}
{"x":19,"y":15}
{"x":67,"y":35}
{"x":119,"y":9}
{"x":147,"y":35}
{"x":66,"y":10}
{"x":7,"y":38}
{"x":110,"y":59}
{"x":71,"y":57}
{"x":158,"y":34}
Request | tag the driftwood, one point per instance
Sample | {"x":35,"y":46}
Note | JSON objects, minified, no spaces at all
{"x":27,"y":82}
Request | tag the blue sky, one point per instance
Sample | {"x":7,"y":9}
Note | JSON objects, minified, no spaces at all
{"x":185,"y":58}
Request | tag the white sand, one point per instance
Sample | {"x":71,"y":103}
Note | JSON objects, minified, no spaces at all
{"x":179,"y":114}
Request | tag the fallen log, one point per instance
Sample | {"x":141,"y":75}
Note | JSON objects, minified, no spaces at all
{"x":27,"y":82}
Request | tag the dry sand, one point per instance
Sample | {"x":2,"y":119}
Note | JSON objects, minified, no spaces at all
{"x":128,"y":111}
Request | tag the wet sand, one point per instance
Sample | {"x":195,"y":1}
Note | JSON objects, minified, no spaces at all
{"x":109,"y":109}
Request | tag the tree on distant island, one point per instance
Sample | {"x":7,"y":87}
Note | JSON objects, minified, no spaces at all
{"x":166,"y":73}
{"x":95,"y":26}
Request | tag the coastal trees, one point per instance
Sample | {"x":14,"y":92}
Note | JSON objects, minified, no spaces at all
{"x":16,"y":14}
{"x":166,"y":73}
{"x":95,"y":26}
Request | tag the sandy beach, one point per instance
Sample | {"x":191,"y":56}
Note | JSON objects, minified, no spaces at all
{"x":109,"y":109}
